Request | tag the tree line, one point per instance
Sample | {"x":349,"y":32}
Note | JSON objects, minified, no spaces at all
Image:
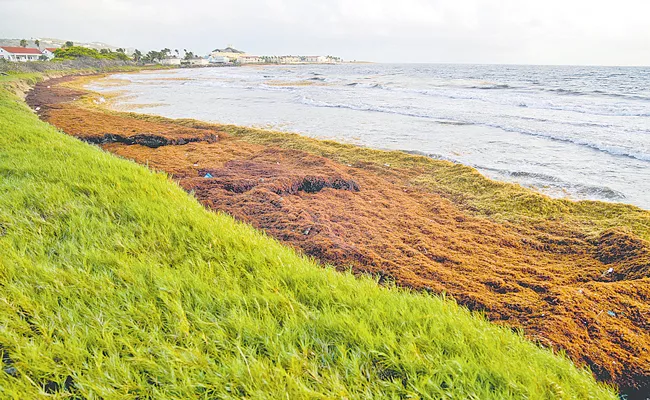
{"x":70,"y":51}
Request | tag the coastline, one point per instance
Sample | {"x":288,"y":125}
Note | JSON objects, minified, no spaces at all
{"x":377,"y":212}
{"x":386,"y":111}
{"x":118,"y":284}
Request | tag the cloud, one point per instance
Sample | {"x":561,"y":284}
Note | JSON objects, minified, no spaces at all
{"x":505,"y":31}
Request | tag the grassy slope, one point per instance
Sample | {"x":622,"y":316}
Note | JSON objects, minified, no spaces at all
{"x":114,"y":280}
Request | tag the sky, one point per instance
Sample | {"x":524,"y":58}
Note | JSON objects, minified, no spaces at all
{"x":585,"y":32}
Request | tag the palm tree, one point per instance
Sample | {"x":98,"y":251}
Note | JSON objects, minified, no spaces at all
{"x":68,"y":44}
{"x":37,"y":43}
{"x":137,"y":55}
{"x":152,"y":56}
{"x":23,"y":43}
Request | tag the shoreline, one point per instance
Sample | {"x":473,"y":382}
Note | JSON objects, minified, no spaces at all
{"x":420,"y":223}
{"x":345,"y":107}
{"x":126,"y":108}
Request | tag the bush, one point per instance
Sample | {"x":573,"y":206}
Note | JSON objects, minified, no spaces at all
{"x":75,"y":52}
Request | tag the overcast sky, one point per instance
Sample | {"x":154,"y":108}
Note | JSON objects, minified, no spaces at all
{"x":602,"y":32}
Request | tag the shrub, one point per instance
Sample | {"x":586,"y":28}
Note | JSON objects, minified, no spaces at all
{"x":74,"y":52}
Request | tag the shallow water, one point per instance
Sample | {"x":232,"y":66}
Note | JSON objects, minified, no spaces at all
{"x":576,"y":132}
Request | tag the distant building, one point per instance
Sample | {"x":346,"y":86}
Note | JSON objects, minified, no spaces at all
{"x":49,"y":52}
{"x":246,"y":59}
{"x":289,"y":60}
{"x":171,"y":61}
{"x":229,"y":52}
{"x":217,"y":59}
{"x":20,"y":53}
{"x":196,"y":61}
{"x":315,"y":59}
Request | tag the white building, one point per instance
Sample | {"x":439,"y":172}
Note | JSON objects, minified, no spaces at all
{"x":315,"y":59}
{"x":20,"y":53}
{"x":217,"y":59}
{"x":196,"y":61}
{"x":229,"y":53}
{"x":246,"y":59}
{"x":171,"y":61}
{"x":289,"y":60}
{"x":49,"y":52}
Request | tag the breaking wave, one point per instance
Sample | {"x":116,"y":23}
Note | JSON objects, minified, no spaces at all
{"x":611,"y":149}
{"x":564,"y":128}
{"x":545,"y":181}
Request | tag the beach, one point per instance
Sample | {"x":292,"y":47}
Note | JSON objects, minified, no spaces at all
{"x":528,"y":261}
{"x":569,"y":132}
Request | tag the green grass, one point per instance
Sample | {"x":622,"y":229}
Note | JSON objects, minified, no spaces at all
{"x":116,"y":281}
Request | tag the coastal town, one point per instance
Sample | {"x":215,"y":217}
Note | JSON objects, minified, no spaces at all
{"x":32,"y":50}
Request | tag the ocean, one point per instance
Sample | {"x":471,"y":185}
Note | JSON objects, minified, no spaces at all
{"x":573,"y":132}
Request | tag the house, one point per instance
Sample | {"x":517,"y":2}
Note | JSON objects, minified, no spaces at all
{"x":246,"y":59}
{"x":289,"y":60}
{"x":218,"y":59}
{"x":171,"y":61}
{"x":229,"y":53}
{"x":49,"y":52}
{"x":196,"y":61}
{"x":315,"y":59}
{"x":20,"y":53}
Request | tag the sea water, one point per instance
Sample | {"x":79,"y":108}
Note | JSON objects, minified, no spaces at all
{"x":575,"y":132}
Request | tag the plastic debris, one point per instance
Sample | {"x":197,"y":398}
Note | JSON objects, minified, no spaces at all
{"x":208,"y":175}
{"x":611,"y":313}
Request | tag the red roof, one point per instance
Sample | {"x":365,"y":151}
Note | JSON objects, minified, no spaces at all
{"x":51,"y":49}
{"x":21,"y":50}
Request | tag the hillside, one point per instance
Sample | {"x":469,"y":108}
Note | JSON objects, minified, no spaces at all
{"x":54,"y":42}
{"x":118,"y":284}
